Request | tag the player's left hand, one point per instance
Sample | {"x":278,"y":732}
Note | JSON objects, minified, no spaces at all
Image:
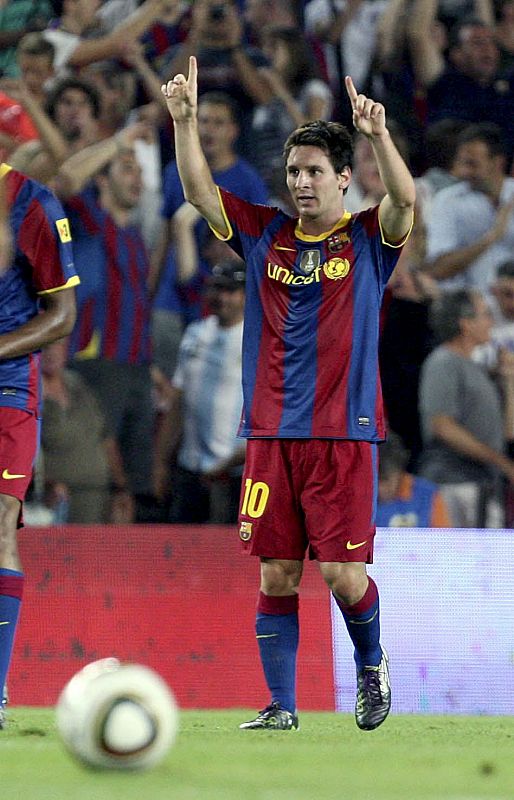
{"x":368,"y":116}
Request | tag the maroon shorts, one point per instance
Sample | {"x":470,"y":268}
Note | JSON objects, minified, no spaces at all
{"x":19,"y":436}
{"x":309,"y":493}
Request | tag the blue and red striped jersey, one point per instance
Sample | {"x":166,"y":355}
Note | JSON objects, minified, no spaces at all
{"x":310,"y":345}
{"x":42,"y":263}
{"x":113,"y":300}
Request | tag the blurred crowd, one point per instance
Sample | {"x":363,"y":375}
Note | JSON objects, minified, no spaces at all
{"x":141,"y":403}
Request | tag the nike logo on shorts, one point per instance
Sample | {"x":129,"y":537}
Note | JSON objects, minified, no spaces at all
{"x":10,"y":476}
{"x":350,"y":546}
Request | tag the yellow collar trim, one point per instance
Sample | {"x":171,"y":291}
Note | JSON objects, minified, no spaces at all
{"x":305,"y":237}
{"x":4,"y":169}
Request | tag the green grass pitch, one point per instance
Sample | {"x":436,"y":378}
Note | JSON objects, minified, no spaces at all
{"x":408,"y":758}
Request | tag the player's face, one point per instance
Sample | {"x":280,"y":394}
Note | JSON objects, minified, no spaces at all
{"x":315,"y":187}
{"x":503,"y":290}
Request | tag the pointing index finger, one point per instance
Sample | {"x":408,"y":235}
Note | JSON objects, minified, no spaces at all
{"x":351,"y":90}
{"x":192,"y":77}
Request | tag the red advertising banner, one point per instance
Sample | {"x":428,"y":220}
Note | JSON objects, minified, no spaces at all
{"x":180,"y":599}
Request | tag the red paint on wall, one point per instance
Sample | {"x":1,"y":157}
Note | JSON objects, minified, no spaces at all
{"x":179,"y":599}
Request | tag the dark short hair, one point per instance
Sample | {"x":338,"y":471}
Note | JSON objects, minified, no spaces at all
{"x":73,"y":83}
{"x":333,"y":138}
{"x":447,"y":311}
{"x":488,"y":133}
{"x":505,"y":270}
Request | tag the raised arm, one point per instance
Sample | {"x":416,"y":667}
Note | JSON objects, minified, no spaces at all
{"x":396,"y":208}
{"x":197,"y":182}
{"x":113,"y":44}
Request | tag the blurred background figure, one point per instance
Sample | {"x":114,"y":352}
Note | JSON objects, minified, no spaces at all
{"x":406,"y":339}
{"x":348,"y":30}
{"x":299,"y":95}
{"x":79,"y":459}
{"x":178,"y":283}
{"x":404,"y":500}
{"x":16,"y":19}
{"x":464,"y":426}
{"x":226,"y":63}
{"x":111,"y":344}
{"x":202,"y":425}
{"x":470,"y":228}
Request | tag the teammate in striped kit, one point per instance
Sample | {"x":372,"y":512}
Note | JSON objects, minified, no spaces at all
{"x":37,"y":306}
{"x":312,"y":400}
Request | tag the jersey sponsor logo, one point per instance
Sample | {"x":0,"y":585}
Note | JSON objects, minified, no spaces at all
{"x":336,"y":268}
{"x":309,"y":261}
{"x":351,"y":546}
{"x":287,"y":276}
{"x":337,"y":241}
{"x":63,"y":229}
{"x":10,"y":476}
{"x":245,"y":531}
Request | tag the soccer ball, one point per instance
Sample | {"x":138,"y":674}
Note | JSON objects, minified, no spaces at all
{"x":117,"y":716}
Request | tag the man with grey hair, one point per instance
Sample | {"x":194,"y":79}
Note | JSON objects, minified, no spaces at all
{"x":461,"y":413}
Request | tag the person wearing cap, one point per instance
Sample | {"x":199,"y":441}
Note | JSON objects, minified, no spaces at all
{"x":201,"y":426}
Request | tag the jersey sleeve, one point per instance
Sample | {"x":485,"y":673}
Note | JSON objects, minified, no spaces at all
{"x":245,"y":221}
{"x":45,"y":240}
{"x":385,"y":253}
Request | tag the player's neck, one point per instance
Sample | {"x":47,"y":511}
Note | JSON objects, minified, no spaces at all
{"x":320,"y":225}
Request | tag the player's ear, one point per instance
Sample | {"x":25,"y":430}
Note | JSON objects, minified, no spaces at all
{"x":344,"y":177}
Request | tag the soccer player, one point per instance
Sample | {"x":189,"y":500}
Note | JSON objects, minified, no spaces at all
{"x":37,"y":306}
{"x":312,"y":402}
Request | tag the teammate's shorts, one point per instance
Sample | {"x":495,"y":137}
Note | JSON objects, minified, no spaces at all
{"x":19,"y":438}
{"x":318,"y":494}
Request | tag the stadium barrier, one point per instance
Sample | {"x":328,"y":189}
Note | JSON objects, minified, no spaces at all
{"x":182,"y":600}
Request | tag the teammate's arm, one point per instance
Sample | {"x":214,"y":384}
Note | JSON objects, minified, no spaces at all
{"x":396,"y":208}
{"x":55,"y":321}
{"x":199,"y":188}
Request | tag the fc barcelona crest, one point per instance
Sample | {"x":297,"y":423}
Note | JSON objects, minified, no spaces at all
{"x":309,"y":261}
{"x":337,"y":241}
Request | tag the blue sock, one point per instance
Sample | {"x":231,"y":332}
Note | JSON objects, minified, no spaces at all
{"x":363,"y":624}
{"x":277,"y":637}
{"x":11,"y":590}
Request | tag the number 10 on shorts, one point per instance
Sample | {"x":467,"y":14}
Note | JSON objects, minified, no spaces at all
{"x":255,"y":498}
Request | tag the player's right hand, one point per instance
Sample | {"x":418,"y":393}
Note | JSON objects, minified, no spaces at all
{"x":182,"y":94}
